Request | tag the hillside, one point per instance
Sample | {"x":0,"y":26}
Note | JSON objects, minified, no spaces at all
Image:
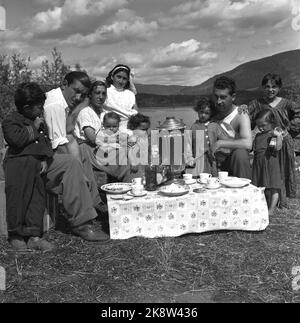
{"x":248,"y":75}
{"x":248,"y":78}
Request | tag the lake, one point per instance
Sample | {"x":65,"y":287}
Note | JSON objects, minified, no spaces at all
{"x":186,"y":113}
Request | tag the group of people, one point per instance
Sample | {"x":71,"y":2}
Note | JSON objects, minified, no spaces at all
{"x":265,"y":128}
{"x":72,"y":139}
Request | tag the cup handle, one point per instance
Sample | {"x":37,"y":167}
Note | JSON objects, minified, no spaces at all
{"x":209,"y":176}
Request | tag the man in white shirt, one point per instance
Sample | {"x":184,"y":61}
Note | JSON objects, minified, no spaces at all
{"x":79,"y":202}
{"x":235,"y":123}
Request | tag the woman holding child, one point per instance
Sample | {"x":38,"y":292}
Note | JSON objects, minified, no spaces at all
{"x":120,"y":97}
{"x":91,"y":124}
{"x":287,"y":114}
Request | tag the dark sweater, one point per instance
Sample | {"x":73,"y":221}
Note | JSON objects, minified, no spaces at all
{"x":24,"y":139}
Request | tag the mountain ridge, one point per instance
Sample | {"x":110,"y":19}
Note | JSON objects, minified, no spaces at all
{"x":247,"y":76}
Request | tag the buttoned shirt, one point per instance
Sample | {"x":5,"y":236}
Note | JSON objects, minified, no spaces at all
{"x":55,"y":113}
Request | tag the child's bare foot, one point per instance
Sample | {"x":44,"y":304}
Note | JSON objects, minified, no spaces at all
{"x":271,"y":212}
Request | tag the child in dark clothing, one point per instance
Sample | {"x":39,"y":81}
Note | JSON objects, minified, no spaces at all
{"x":266,"y":167}
{"x":25,"y":162}
{"x":204,"y":134}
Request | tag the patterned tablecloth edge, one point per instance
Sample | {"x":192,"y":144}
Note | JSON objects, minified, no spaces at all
{"x":215,"y":230}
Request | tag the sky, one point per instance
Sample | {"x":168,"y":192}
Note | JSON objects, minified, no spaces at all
{"x":170,"y":42}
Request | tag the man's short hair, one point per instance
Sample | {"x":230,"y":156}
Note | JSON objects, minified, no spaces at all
{"x":224,"y":82}
{"x":274,"y":78}
{"x":28,"y":93}
{"x":82,"y":77}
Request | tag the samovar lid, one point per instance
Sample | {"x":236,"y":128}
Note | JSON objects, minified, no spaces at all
{"x":171,"y":123}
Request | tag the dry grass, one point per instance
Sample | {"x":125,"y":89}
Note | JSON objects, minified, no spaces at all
{"x":231,"y":266}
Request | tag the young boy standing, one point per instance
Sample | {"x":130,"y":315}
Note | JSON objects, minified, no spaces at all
{"x":25,"y":163}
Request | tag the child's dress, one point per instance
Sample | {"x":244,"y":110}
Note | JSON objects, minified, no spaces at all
{"x":287,"y":115}
{"x":266,"y":168}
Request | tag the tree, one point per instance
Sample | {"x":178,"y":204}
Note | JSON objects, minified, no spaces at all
{"x":52,"y":74}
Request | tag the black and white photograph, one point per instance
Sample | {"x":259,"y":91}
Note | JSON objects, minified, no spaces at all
{"x":149,"y":155}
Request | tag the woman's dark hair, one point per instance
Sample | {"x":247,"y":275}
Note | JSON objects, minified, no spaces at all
{"x":96,"y":84}
{"x":82,"y":77}
{"x":111,"y":115}
{"x":204,"y":103}
{"x":116,"y":69}
{"x":28,"y":94}
{"x":224,"y":82}
{"x":267,"y":115}
{"x":274,"y":78}
{"x":135,"y":120}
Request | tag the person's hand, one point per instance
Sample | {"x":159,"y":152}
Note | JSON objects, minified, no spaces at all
{"x":243,"y":109}
{"x":277,"y":132}
{"x":37,"y":122}
{"x":44,"y":167}
{"x":215,"y":147}
{"x":134,"y":168}
{"x":84,"y":103}
{"x":191,"y":163}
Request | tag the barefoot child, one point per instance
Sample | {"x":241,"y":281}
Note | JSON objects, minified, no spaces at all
{"x":204,"y":134}
{"x":29,"y":149}
{"x":266,"y":168}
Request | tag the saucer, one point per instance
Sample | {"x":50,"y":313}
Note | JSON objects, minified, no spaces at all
{"x":190,"y":181}
{"x":143,"y":193}
{"x":121,"y":197}
{"x":213,"y":187}
{"x":200,"y":182}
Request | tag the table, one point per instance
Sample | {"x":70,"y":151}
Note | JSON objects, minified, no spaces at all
{"x":155,"y":215}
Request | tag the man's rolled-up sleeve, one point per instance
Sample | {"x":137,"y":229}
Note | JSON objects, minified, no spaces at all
{"x":55,"y":117}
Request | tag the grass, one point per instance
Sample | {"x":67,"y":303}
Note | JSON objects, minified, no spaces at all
{"x":224,"y":266}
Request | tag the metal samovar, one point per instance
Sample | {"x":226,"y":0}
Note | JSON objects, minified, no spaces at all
{"x":171,"y":147}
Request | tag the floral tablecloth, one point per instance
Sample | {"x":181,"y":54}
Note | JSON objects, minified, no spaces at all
{"x":155,"y":215}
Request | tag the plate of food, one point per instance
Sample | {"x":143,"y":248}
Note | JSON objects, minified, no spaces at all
{"x":236,"y":182}
{"x":116,"y":188}
{"x":174,"y":189}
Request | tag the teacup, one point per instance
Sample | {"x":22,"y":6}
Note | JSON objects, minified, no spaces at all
{"x":222,"y":176}
{"x":137,"y":189}
{"x":213,"y":182}
{"x":137,"y":181}
{"x":204,"y":177}
{"x":187,"y":177}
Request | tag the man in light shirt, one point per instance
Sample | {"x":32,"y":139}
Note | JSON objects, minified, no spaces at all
{"x":58,"y":108}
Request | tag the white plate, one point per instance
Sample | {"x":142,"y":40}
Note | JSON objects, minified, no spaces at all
{"x":190,"y":182}
{"x":116,"y":188}
{"x":213,"y":187}
{"x":166,"y":190}
{"x":121,"y":197}
{"x":137,"y":195}
{"x":236,"y":182}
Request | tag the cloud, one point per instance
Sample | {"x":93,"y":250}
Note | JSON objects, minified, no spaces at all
{"x":48,"y":2}
{"x":125,"y":27}
{"x":173,"y":64}
{"x":226,"y":15}
{"x":190,"y":53}
{"x":74,"y":16}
